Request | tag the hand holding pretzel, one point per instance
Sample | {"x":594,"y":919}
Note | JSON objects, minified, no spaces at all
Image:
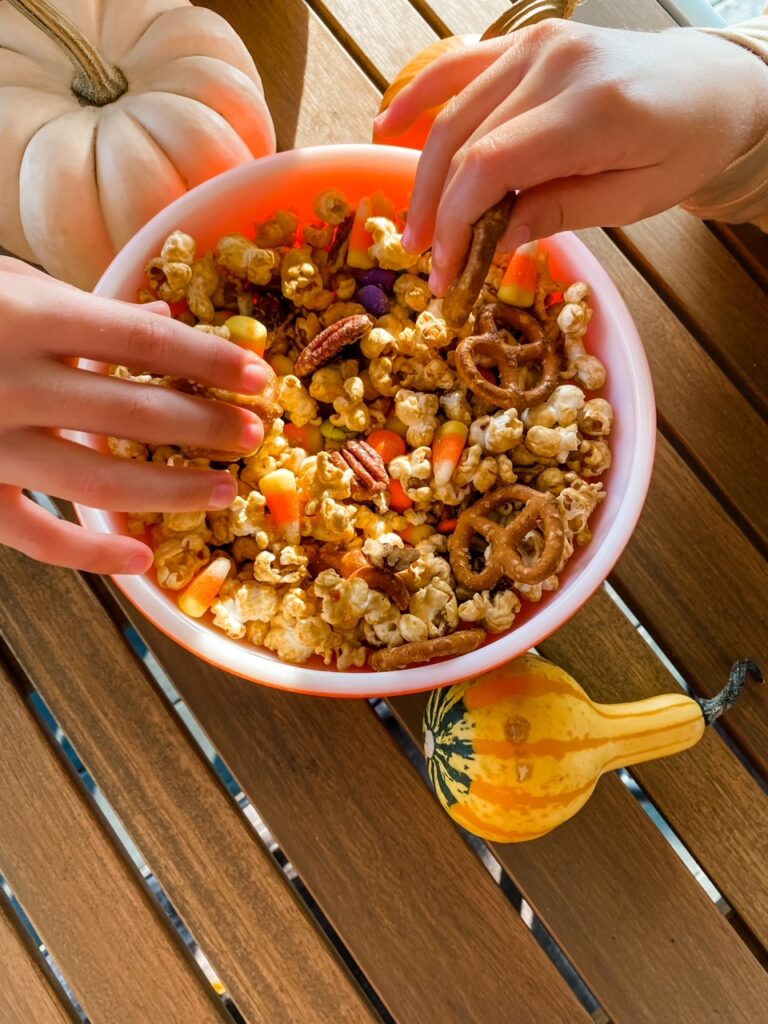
{"x":508,"y":359}
{"x":539,"y":509}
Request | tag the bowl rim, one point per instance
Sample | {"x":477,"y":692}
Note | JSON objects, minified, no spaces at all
{"x":234,"y":657}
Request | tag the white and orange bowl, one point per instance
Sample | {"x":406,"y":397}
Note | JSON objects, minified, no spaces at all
{"x":232,"y":202}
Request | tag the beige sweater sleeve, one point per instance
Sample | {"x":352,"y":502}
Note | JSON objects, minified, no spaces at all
{"x":740,"y":193}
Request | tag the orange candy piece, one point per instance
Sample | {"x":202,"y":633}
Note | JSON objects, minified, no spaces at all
{"x":387,"y":443}
{"x":198,"y":596}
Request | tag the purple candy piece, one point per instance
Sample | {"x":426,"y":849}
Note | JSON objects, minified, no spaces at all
{"x":374,"y":299}
{"x":382,"y":278}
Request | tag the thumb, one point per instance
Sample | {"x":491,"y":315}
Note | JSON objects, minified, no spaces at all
{"x":608,"y":199}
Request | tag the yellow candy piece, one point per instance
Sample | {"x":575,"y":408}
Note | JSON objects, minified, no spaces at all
{"x":247,"y":332}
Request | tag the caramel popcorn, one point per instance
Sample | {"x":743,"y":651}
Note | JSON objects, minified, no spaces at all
{"x":344,"y":550}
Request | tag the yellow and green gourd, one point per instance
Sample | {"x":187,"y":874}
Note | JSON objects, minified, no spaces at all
{"x":517,"y":752}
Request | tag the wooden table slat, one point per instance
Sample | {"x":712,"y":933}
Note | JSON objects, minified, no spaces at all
{"x":634,"y":922}
{"x":368,"y":29}
{"x":235,"y":899}
{"x":26,"y":994}
{"x":416,"y":909}
{"x":717,"y":808}
{"x":120,"y":958}
{"x":695,"y":400}
{"x":315,"y":97}
{"x":713,"y":293}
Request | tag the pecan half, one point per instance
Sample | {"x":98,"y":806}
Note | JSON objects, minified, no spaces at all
{"x":371,"y":475}
{"x":380,"y":579}
{"x":331,"y":341}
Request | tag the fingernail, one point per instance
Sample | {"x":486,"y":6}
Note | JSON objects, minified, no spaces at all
{"x":252,"y":435}
{"x":407,"y":237}
{"x":254,"y":378}
{"x":439,"y":257}
{"x":223,"y":494}
{"x":138,"y":564}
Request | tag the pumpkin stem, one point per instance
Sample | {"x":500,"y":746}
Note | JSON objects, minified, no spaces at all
{"x":713,"y":707}
{"x":529,"y":12}
{"x":96,"y":82}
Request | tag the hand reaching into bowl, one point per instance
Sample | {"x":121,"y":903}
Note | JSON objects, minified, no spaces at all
{"x":44,"y":327}
{"x":593,"y":126}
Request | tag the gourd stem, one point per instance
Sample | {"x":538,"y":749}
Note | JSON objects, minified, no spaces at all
{"x":529,"y":12}
{"x":713,"y":707}
{"x":96,"y":82}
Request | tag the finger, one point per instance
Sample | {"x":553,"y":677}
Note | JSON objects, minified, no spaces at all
{"x":538,"y":146}
{"x":33,"y":531}
{"x":158,"y":306}
{"x":495,"y":90}
{"x":437,"y":83}
{"x":116,"y":332}
{"x":72,"y":399}
{"x":40,"y":461}
{"x":608,"y":199}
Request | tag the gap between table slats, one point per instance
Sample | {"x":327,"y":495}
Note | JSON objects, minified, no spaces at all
{"x":249,"y":922}
{"x":119,"y":957}
{"x":26,"y":992}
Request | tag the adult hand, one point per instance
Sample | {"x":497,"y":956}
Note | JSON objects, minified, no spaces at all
{"x":44,"y":325}
{"x":593,"y":126}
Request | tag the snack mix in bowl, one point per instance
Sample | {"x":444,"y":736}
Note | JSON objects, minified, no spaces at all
{"x":415,"y":483}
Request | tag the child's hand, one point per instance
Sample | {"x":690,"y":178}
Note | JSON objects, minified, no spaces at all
{"x":593,"y":126}
{"x":44,"y":324}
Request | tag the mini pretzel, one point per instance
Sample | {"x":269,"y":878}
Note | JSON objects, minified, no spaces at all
{"x":539,"y":347}
{"x":540,"y":509}
{"x":461,"y":642}
{"x":487,"y":232}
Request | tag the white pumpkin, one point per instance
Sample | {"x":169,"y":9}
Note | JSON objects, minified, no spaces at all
{"x":169,"y":96}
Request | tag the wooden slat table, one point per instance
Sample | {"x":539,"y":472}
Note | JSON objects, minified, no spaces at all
{"x":355,"y":899}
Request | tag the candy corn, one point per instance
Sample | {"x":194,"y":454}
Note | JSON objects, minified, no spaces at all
{"x":199,"y":595}
{"x":387,"y":443}
{"x":518,"y":286}
{"x":247,"y":332}
{"x":447,"y":447}
{"x":447,"y":525}
{"x":398,"y":499}
{"x":279,"y":488}
{"x":309,"y":437}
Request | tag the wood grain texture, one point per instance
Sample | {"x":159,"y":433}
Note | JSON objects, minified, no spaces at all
{"x":26,"y":994}
{"x":234,"y":898}
{"x":699,"y":587}
{"x":694,"y":399}
{"x":417,"y":911}
{"x":723,"y":305}
{"x":383,"y":37}
{"x":315,"y":97}
{"x":120,"y":958}
{"x":717,"y":808}
{"x":634,"y":922}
